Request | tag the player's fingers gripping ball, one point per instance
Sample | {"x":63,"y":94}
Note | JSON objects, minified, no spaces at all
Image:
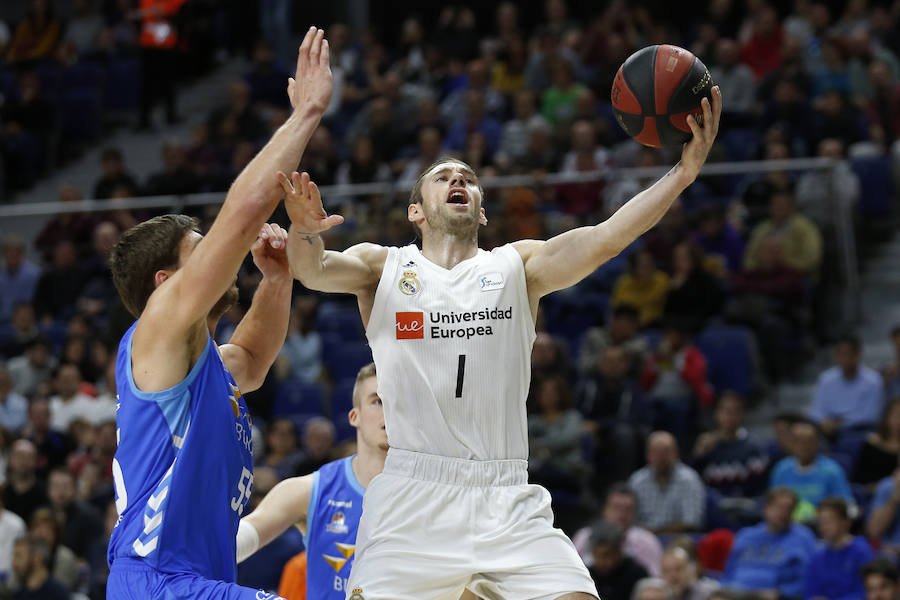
{"x":655,"y":90}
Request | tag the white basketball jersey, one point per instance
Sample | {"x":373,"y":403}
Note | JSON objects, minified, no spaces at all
{"x":453,"y":351}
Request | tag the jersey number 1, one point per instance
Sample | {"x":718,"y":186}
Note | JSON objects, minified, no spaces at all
{"x":460,"y":375}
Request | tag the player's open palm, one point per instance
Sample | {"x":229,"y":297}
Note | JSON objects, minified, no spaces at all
{"x":304,"y":204}
{"x":269,"y":251}
{"x":310,"y":87}
{"x":695,"y":152}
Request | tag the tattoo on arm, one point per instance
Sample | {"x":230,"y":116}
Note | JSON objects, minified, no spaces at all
{"x":308,"y":236}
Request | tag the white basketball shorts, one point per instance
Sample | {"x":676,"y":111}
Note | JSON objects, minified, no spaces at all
{"x":433,"y":526}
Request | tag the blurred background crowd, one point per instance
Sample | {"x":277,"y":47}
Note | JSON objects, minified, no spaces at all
{"x":642,"y":373}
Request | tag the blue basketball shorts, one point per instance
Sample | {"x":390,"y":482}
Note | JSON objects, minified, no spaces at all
{"x":131,"y":580}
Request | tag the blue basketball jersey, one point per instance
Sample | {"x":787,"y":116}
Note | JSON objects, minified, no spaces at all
{"x":183,"y":470}
{"x":335,"y":507}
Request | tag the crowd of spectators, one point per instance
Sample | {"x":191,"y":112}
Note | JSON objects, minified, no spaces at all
{"x":71,"y":70}
{"x":628,"y":404}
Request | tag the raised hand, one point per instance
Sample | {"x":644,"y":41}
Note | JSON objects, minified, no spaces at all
{"x":695,"y":152}
{"x":269,"y":251}
{"x":304,"y":204}
{"x":310,"y":87}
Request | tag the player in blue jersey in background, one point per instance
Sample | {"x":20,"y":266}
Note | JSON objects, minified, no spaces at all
{"x":183,"y":469}
{"x":326,"y":505}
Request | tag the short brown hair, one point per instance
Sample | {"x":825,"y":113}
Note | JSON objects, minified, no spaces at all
{"x":415,"y":197}
{"x":142,"y":251}
{"x":884,"y":567}
{"x":363,"y":374}
{"x":774,"y":493}
{"x":836,"y":505}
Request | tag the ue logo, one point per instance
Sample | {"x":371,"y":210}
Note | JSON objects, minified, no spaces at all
{"x":410,"y":325}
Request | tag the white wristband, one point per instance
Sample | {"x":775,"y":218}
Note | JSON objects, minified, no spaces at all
{"x":247,"y":540}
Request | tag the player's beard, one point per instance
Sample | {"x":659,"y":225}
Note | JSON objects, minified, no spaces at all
{"x":462,"y":226}
{"x":228,"y":299}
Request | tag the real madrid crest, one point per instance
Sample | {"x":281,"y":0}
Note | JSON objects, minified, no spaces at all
{"x":356,"y":594}
{"x":409,"y":284}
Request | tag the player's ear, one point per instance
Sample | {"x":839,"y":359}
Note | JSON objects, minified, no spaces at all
{"x":415,"y":214}
{"x":482,"y":219}
{"x":353,"y":417}
{"x":160,"y":276}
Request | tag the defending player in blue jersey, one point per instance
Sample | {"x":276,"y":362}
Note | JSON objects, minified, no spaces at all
{"x":326,"y":505}
{"x":183,"y":469}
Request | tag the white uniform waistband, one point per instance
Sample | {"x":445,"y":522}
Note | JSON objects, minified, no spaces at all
{"x":456,"y":471}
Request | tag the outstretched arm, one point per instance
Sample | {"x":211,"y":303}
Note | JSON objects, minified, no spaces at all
{"x":183,"y":301}
{"x":566,"y":259}
{"x":353,"y":271}
{"x":253,"y":196}
{"x":261,"y":333}
{"x":285,"y":505}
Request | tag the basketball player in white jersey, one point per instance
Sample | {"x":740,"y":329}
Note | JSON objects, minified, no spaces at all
{"x":451,"y":329}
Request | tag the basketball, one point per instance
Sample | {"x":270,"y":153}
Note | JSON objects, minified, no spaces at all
{"x":655,"y":90}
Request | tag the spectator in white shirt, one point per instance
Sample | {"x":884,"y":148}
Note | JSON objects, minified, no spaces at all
{"x":514,"y":138}
{"x":71,"y":403}
{"x":33,"y":367}
{"x":671,"y":496}
{"x":620,"y":509}
{"x":12,"y":527}
{"x":734,"y":77}
{"x":586,"y":155}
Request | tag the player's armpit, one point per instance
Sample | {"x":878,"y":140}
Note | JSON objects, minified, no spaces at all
{"x":161,"y":355}
{"x":240,"y":364}
{"x":285,"y":505}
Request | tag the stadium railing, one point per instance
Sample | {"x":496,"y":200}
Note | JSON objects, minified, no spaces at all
{"x":26,"y":219}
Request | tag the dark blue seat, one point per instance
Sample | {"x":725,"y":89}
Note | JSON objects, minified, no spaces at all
{"x":340,"y":319}
{"x":342,"y":398}
{"x":295,"y":397}
{"x":876,"y":188}
{"x":7,"y":333}
{"x":9,"y":87}
{"x":604,"y":277}
{"x":80,"y":113}
{"x":343,"y":430}
{"x":123,"y":84}
{"x":348,"y":359}
{"x":84,"y":74}
{"x":571,"y":315}
{"x":847,"y":446}
{"x":331,"y":345}
{"x":728,"y":357}
{"x":51,"y":75}
{"x":740,"y":144}
{"x":300,"y":420}
{"x":349,"y":325}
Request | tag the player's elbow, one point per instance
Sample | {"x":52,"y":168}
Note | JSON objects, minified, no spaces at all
{"x":310,"y":273}
{"x":254,"y":379}
{"x":253,"y":206}
{"x":306,"y":275}
{"x":257,"y":207}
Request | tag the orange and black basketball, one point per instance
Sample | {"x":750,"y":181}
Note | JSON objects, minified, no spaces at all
{"x":655,"y":90}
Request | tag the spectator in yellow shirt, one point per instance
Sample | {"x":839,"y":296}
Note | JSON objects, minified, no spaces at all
{"x":800,"y":236}
{"x":644,"y":287}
